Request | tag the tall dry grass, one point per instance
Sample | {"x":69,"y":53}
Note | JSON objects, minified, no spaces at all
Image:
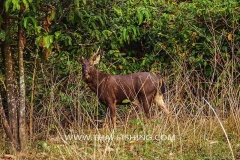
{"x":205,"y":111}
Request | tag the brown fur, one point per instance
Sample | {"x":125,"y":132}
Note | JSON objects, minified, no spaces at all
{"x":113,"y":89}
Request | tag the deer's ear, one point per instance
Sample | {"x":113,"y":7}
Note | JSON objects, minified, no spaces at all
{"x":96,"y":61}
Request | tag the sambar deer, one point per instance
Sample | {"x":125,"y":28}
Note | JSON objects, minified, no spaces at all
{"x":114,"y":89}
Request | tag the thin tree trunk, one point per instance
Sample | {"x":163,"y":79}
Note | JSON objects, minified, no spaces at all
{"x":32,"y":99}
{"x":22,"y":92}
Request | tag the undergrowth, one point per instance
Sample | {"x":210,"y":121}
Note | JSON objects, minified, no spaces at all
{"x":70,"y":122}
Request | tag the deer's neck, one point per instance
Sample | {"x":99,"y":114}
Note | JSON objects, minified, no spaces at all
{"x":96,"y":79}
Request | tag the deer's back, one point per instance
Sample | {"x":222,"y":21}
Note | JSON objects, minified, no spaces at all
{"x":121,"y":87}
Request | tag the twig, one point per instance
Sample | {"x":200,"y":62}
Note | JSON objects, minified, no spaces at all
{"x":229,"y":144}
{"x":89,"y":44}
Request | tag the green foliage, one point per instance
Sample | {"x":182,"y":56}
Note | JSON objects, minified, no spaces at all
{"x":2,"y":35}
{"x":164,"y":32}
{"x":142,"y":32}
{"x":29,"y":23}
{"x":126,"y":101}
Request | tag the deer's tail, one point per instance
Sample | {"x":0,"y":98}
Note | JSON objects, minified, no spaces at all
{"x":159,"y":97}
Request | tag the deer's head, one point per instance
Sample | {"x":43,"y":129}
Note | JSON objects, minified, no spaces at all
{"x":88,"y":64}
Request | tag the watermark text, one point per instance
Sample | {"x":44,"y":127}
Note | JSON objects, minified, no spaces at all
{"x":121,"y":137}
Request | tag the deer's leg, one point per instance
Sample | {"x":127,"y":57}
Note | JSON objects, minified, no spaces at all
{"x":107,"y":122}
{"x":146,"y":102}
{"x":112,"y":108}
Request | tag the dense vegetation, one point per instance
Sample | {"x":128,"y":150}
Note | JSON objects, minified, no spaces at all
{"x":194,"y":45}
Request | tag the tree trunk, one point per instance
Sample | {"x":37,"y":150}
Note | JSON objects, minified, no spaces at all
{"x":11,"y":93}
{"x":11,"y":83}
{"x":22,"y":91}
